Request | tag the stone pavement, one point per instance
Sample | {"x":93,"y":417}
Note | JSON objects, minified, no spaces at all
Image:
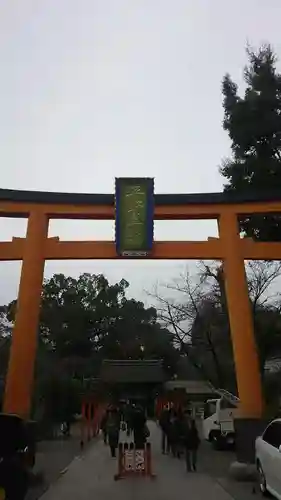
{"x":92,"y":476}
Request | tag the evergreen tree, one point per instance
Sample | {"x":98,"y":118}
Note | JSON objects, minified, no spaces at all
{"x":253,"y":123}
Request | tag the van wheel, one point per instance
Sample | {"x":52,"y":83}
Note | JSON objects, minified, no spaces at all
{"x":211,"y":437}
{"x":217,"y":444}
{"x":262,"y":481}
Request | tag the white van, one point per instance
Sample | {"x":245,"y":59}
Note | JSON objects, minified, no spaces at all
{"x":218,"y":423}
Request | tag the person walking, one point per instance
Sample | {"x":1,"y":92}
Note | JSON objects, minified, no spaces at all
{"x":173,"y":433}
{"x":178,"y":434}
{"x":191,"y":445}
{"x":165,"y":424}
{"x":103,"y":426}
{"x":139,"y":427}
{"x":128,"y":417}
{"x":113,"y":429}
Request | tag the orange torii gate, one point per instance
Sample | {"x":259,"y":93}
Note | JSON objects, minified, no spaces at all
{"x":36,"y":247}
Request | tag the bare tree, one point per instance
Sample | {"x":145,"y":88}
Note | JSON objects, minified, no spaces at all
{"x":194,"y":308}
{"x":262,"y":275}
{"x":191,"y":302}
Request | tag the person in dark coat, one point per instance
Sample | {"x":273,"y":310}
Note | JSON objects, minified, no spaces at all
{"x":128,"y":417}
{"x":191,"y":444}
{"x":178,"y":434}
{"x":173,"y":432}
{"x":165,"y":424}
{"x":112,"y":430}
{"x":139,"y":427}
{"x":103,"y":425}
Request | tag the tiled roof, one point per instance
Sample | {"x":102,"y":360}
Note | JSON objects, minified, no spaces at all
{"x":133,"y":371}
{"x":191,"y":386}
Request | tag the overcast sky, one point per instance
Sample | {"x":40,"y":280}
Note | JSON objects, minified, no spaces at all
{"x":91,"y":90}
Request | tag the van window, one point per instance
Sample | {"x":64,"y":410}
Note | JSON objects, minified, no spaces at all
{"x":209,"y":409}
{"x":224,"y":404}
{"x":272,"y":434}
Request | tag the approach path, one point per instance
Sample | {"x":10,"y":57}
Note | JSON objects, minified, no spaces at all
{"x":92,"y":476}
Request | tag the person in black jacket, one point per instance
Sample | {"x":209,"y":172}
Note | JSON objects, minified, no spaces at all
{"x":139,"y":427}
{"x":113,"y":429}
{"x":165,"y":424}
{"x":103,"y":425}
{"x":177,"y":444}
{"x":174,"y":434}
{"x":128,"y":417}
{"x":191,"y":445}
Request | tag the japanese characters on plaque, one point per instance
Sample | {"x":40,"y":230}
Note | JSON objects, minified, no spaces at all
{"x":134,"y":211}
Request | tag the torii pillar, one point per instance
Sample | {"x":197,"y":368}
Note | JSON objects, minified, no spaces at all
{"x":248,"y":377}
{"x":20,"y":374}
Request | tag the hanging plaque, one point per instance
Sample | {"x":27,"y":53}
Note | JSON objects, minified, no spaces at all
{"x":134,"y":213}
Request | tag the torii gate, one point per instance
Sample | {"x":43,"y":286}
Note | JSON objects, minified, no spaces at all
{"x":36,"y":247}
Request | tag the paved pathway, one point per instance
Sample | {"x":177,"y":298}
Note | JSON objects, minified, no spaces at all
{"x":91,"y":476}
